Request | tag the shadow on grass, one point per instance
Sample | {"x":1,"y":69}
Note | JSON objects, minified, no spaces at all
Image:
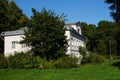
{"x":117,"y":64}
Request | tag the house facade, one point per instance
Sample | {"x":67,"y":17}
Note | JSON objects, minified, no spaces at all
{"x":74,"y":39}
{"x":12,"y":42}
{"x":73,"y":33}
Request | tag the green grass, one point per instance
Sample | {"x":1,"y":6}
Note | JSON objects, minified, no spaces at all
{"x":110,"y":70}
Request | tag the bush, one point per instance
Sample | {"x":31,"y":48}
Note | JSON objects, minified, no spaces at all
{"x":3,"y":61}
{"x":116,"y":57}
{"x":66,"y":62}
{"x":19,"y":60}
{"x":93,"y":58}
{"x":28,"y":61}
{"x":82,"y":50}
{"x":40,"y":63}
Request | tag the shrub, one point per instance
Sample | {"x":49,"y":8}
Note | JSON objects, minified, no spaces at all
{"x":66,"y":62}
{"x":93,"y":58}
{"x":28,"y":61}
{"x":14,"y":60}
{"x":20,"y":60}
{"x":82,"y":50}
{"x":3,"y":61}
{"x":116,"y":57}
{"x":41,"y":63}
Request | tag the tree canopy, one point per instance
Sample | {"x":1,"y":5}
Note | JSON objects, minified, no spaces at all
{"x":115,"y":13}
{"x":101,"y":38}
{"x":46,"y":34}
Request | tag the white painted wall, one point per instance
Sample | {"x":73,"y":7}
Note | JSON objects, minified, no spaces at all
{"x":73,"y":44}
{"x":68,"y":37}
{"x":8,"y":50}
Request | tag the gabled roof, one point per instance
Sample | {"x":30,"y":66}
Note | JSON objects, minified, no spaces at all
{"x":20,"y":31}
{"x":74,"y":32}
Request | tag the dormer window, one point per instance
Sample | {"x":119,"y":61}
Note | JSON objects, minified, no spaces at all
{"x":78,"y":30}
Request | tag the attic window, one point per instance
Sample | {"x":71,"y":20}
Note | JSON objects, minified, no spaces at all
{"x":78,"y":30}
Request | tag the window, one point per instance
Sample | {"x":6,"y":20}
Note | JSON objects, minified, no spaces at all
{"x":23,"y":45}
{"x":78,"y":30}
{"x":13,"y":44}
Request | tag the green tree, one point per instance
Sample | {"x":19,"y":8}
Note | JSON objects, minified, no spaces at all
{"x":101,"y":48}
{"x":102,"y":37}
{"x":16,"y":18}
{"x":115,"y":9}
{"x":118,"y":43}
{"x":107,"y":32}
{"x":89,"y":31}
{"x":115,"y":13}
{"x":3,"y":18}
{"x":46,"y":34}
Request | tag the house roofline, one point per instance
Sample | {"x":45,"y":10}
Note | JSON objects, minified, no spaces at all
{"x":20,"y":31}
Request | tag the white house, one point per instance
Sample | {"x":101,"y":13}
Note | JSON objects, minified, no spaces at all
{"x":73,"y":33}
{"x":11,"y":42}
{"x":74,"y":38}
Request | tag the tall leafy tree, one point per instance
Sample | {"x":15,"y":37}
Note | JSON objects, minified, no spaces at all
{"x":107,"y":32}
{"x":115,"y":13}
{"x":3,"y":17}
{"x":101,"y":47}
{"x":118,"y":43}
{"x":103,"y":37}
{"x":89,"y":31}
{"x":16,"y":18}
{"x":46,"y":34}
{"x":115,"y":9}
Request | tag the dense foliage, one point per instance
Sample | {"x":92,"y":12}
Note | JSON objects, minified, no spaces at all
{"x":83,"y":51}
{"x":3,"y":61}
{"x":66,"y":62}
{"x":29,"y":61}
{"x":46,"y":34}
{"x":25,"y":60}
{"x":93,"y":58}
{"x":102,"y":39}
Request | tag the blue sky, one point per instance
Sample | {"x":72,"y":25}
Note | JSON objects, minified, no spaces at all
{"x":89,"y":11}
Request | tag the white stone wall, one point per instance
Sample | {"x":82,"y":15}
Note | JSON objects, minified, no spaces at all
{"x":9,"y":50}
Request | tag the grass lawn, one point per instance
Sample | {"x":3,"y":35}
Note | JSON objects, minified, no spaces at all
{"x":110,"y":70}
